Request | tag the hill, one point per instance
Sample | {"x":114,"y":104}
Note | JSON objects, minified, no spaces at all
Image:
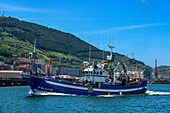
{"x":164,"y":71}
{"x":17,"y":37}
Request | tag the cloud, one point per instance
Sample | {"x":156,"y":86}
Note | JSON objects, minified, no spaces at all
{"x":119,"y":28}
{"x":8,"y":7}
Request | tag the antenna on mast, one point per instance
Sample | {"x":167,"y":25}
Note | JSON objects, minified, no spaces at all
{"x":35,"y":44}
{"x":3,"y":14}
{"x":110,"y":57}
{"x":132,"y":55}
{"x":111,"y":47}
{"x":103,"y":49}
{"x":33,"y":55}
{"x":89,"y":52}
{"x":112,"y":39}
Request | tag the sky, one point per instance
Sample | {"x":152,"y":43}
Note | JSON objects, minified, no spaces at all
{"x":137,"y":28}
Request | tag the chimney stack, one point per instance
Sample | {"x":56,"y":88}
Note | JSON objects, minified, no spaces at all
{"x":156,"y":74}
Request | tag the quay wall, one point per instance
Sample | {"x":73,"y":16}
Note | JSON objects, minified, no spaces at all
{"x":11,"y":78}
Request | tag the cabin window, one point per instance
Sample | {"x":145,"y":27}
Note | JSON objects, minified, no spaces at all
{"x":94,"y":72}
{"x":100,"y":73}
{"x":86,"y":72}
{"x":97,"y":73}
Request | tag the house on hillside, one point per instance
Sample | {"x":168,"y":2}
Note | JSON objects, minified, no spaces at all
{"x":24,"y":61}
{"x":24,"y":64}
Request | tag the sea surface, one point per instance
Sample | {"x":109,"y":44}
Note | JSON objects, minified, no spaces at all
{"x":17,"y":100}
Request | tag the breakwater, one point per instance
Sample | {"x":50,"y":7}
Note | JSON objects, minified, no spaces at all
{"x":160,"y":82}
{"x":11,"y":78}
{"x":12,"y":82}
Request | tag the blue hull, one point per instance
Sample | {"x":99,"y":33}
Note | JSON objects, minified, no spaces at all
{"x":52,"y":85}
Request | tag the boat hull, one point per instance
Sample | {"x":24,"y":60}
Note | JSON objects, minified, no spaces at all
{"x":53,"y":85}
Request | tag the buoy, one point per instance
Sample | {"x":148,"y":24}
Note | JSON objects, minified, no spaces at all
{"x":120,"y":93}
{"x":108,"y":93}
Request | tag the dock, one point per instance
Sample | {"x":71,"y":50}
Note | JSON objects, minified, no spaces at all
{"x":160,"y":82}
{"x":11,"y":78}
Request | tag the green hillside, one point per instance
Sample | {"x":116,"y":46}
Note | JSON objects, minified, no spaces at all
{"x":17,"y":37}
{"x":164,"y":71}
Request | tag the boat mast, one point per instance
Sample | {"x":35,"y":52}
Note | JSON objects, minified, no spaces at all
{"x":89,"y":52}
{"x":111,"y":47}
{"x":110,"y":60}
{"x":57,"y":68}
{"x":35,"y":45}
{"x":49,"y":66}
{"x":34,"y":56}
{"x":103,"y":49}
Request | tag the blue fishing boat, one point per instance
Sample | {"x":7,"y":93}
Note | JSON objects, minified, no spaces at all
{"x":98,"y":79}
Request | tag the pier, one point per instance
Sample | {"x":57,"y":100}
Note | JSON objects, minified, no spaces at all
{"x":11,"y":78}
{"x":160,"y":82}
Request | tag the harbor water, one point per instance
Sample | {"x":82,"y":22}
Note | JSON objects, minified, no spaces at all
{"x":17,"y":100}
